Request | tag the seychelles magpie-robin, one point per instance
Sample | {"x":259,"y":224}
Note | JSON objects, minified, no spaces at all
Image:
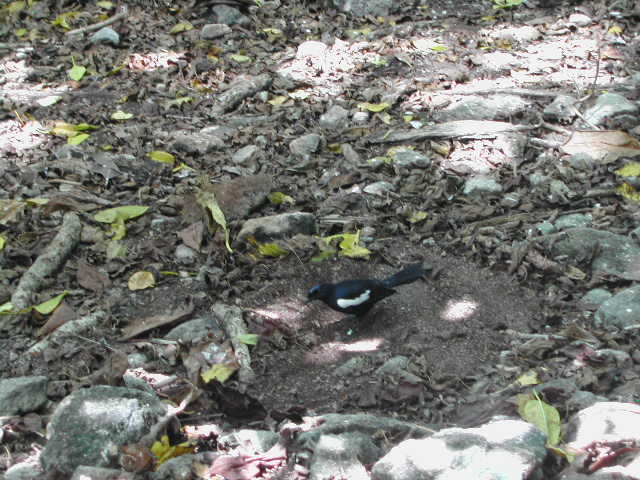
{"x":356,"y":297}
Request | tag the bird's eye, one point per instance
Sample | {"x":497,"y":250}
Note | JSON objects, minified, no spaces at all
{"x":314,"y":289}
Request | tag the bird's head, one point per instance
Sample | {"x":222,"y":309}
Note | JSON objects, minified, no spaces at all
{"x":318,"y":292}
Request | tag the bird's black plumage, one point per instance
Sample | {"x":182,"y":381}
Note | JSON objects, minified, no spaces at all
{"x":356,"y":297}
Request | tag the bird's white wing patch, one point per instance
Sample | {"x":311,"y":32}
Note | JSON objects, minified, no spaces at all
{"x":351,"y":302}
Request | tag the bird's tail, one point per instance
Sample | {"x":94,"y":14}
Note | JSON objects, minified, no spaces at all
{"x":406,"y":275}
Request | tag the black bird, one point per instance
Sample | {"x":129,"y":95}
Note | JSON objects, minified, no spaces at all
{"x":356,"y":297}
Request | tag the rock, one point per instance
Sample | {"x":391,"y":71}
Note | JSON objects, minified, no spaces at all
{"x":106,"y":35}
{"x":506,"y":449}
{"x":178,"y":468}
{"x":380,"y":188}
{"x":481,"y":185}
{"x":621,"y":310}
{"x":615,"y":254}
{"x":604,"y":421}
{"x":574,"y":220}
{"x":562,"y":109}
{"x":283,"y":225}
{"x":249,"y":442}
{"x":411,"y":159}
{"x":248,"y":156}
{"x":518,"y":34}
{"x":580,"y":19}
{"x":607,"y":106}
{"x":304,"y":146}
{"x":363,"y":8}
{"x":335,"y":118}
{"x":594,"y":298}
{"x":214,"y":30}
{"x":229,"y":15}
{"x":493,"y":108}
{"x":20,"y":395}
{"x":195,"y":331}
{"x":238,"y":197}
{"x":27,"y":470}
{"x":89,"y":426}
{"x":343,"y":456}
{"x":185,"y":255}
{"x":84,"y":472}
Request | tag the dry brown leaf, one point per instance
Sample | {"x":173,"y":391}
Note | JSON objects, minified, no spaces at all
{"x":605,"y":146}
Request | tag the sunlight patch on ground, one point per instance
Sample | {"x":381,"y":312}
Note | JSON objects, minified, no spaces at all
{"x":459,"y":310}
{"x":334,"y":351}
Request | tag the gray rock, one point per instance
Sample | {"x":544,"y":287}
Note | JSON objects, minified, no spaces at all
{"x":562,"y":109}
{"x":492,"y":108}
{"x":580,"y":19}
{"x":351,"y":367}
{"x":581,"y":399}
{"x":178,"y":468}
{"x":214,"y":30}
{"x":195,"y":331}
{"x":350,"y":155}
{"x":510,"y":200}
{"x":594,"y":298}
{"x":411,"y":159}
{"x":573,"y":220}
{"x":238,"y":197}
{"x":105,"y":35}
{"x":393,"y":365}
{"x":230,"y":16}
{"x":136,"y":359}
{"x":205,"y":141}
{"x":84,"y":472}
{"x":27,"y":470}
{"x":360,"y":118}
{"x":582,"y":161}
{"x":185,"y":255}
{"x":609,"y":105}
{"x":248,"y":156}
{"x":505,"y":449}
{"x":20,"y":395}
{"x":279,"y":226}
{"x":335,"y":118}
{"x":604,"y":421}
{"x":89,"y":426}
{"x":249,"y":441}
{"x":481,"y":185}
{"x":304,"y":146}
{"x":343,"y":456}
{"x":362,"y":8}
{"x":380,"y":188}
{"x":518,"y":34}
{"x":546,"y":228}
{"x":536,"y":179}
{"x":621,"y":310}
{"x":616,"y":254}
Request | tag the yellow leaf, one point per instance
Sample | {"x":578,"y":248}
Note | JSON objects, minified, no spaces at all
{"x":163,"y":450}
{"x":628,"y":192}
{"x":631,"y":169}
{"x":528,"y":378}
{"x":417,"y":216}
{"x":220,"y":372}
{"x":374,"y":107}
{"x":123,"y":213}
{"x":141,"y":280}
{"x":3,"y":242}
{"x":615,"y":30}
{"x":236,"y":57}
{"x":181,"y":27}
{"x":279,"y":100}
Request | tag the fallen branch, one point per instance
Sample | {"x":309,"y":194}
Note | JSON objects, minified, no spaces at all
{"x":99,"y":25}
{"x":49,"y":261}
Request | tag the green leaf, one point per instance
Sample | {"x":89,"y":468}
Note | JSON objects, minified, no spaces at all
{"x":542,"y":415}
{"x":249,"y":338}
{"x":6,"y":307}
{"x":120,"y":115}
{"x":181,"y":27}
{"x":3,"y":242}
{"x":162,"y":157}
{"x":208,"y":200}
{"x":127,"y":212}
{"x":278,"y":198}
{"x":323,"y":255}
{"x":45,"y":308}
{"x":116,"y":249}
{"x":271,"y":250}
{"x":236,"y":57}
{"x":77,"y":72}
{"x":78,"y":139}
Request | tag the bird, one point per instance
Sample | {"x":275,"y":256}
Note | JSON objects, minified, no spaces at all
{"x":356,"y":297}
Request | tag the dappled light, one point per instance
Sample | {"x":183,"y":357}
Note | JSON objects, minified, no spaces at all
{"x":332,"y":352}
{"x":459,"y":310}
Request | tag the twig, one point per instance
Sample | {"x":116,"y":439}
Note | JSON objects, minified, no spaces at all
{"x":99,"y":25}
